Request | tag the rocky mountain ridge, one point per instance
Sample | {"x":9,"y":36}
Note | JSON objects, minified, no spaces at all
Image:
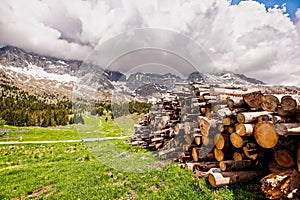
{"x":37,"y":73}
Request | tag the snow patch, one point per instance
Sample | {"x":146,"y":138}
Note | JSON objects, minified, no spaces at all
{"x":40,"y":73}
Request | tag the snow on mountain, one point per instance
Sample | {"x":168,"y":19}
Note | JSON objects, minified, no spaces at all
{"x":39,"y":73}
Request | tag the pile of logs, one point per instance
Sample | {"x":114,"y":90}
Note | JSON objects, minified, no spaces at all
{"x":229,"y":134}
{"x":157,"y":127}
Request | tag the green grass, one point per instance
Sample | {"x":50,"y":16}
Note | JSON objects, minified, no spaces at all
{"x":70,"y":172}
{"x":96,"y":127}
{"x":98,"y":170}
{"x":40,"y":134}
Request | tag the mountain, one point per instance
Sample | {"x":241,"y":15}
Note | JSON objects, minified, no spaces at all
{"x":39,"y":74}
{"x":227,"y":78}
{"x":42,"y":74}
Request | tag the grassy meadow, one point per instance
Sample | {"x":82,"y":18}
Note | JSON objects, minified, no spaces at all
{"x":98,"y":170}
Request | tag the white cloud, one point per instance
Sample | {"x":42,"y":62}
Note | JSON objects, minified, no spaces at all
{"x":244,"y":38}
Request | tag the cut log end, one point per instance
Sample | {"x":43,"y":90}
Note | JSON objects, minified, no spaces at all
{"x":283,"y":158}
{"x":265,"y":134}
{"x":236,"y":140}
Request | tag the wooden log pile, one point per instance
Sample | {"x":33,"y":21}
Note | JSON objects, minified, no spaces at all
{"x":232,"y":134}
{"x":158,"y":126}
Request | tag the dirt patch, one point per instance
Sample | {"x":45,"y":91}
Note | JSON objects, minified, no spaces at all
{"x":36,"y":193}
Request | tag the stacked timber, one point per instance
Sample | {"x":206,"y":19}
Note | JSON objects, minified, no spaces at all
{"x":158,"y":126}
{"x":232,"y":134}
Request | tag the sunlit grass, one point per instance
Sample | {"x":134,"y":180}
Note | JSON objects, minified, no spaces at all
{"x":68,"y":171}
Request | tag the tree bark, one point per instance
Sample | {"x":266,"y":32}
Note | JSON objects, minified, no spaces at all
{"x":285,"y":129}
{"x":232,"y":165}
{"x":226,"y":178}
{"x":248,"y":117}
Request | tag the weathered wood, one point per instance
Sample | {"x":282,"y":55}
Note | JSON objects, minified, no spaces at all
{"x":228,"y":92}
{"x":288,"y":103}
{"x":233,"y":103}
{"x":248,"y":117}
{"x":226,"y":178}
{"x":253,"y":99}
{"x":269,"y":103}
{"x":265,"y":135}
{"x":282,"y":185}
{"x":285,"y":129}
{"x":232,"y":165}
{"x":244,"y":129}
{"x":283,"y":158}
{"x":206,"y":124}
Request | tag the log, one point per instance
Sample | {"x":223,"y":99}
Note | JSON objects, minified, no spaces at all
{"x":201,"y":166}
{"x":265,"y":135}
{"x":206,"y":124}
{"x":222,"y":141}
{"x":195,"y":154}
{"x":206,"y":141}
{"x":253,"y":99}
{"x":232,"y":165}
{"x":218,"y":154}
{"x":244,"y":129}
{"x":269,"y":103}
{"x":236,"y":140}
{"x":197,"y":139}
{"x":238,"y":156}
{"x":248,"y":117}
{"x":167,"y":151}
{"x":285,"y":129}
{"x":228,"y":92}
{"x":282,"y":185}
{"x":227,"y":121}
{"x":235,"y":103}
{"x":283,"y":158}
{"x":227,"y":178}
{"x":250,"y":151}
{"x":288,"y":103}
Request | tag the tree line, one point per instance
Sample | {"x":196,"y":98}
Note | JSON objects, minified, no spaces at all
{"x":19,"y":108}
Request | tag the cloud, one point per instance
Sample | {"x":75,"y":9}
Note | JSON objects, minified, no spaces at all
{"x":245,"y":38}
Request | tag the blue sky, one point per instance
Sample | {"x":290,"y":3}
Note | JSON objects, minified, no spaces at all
{"x":291,"y":5}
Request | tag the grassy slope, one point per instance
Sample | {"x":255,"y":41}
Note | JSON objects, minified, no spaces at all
{"x":26,"y":169}
{"x":70,"y":171}
{"x":40,"y":134}
{"x":94,"y":127}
